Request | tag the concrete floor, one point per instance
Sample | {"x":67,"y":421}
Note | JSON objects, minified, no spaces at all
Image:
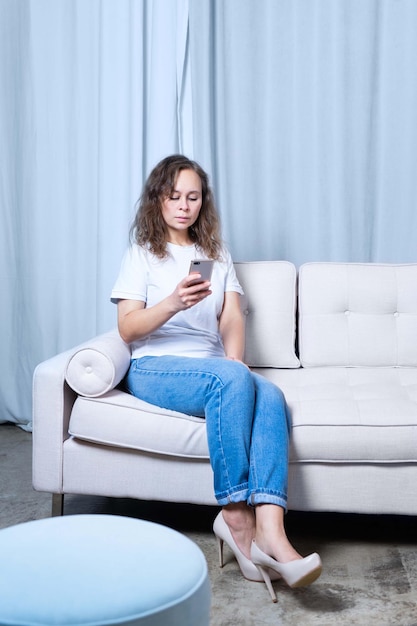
{"x":370,"y":562}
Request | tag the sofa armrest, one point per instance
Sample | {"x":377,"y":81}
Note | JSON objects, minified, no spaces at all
{"x":99,"y":365}
{"x":53,"y":400}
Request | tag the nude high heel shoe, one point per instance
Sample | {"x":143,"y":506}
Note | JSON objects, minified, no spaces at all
{"x":298,"y":573}
{"x":248,"y":569}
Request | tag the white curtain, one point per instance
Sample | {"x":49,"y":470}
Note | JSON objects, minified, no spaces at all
{"x":302,"y":111}
{"x":306,"y":112}
{"x":91,"y":98}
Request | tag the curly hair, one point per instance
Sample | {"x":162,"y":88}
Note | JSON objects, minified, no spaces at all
{"x":149,"y":228}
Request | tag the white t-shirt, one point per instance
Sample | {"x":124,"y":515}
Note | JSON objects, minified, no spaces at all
{"x":193,"y":332}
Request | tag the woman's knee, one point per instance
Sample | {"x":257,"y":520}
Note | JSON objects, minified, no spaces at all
{"x":265,"y":386}
{"x":270,"y":394}
{"x":235,"y":378}
{"x":237,"y":374}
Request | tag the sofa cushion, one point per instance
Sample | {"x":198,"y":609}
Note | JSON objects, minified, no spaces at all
{"x":269,"y":306}
{"x":98,"y":365}
{"x":353,"y":314}
{"x":351,"y":415}
{"x":121,"y":420}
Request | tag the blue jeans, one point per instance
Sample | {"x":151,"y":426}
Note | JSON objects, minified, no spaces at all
{"x":247,"y":423}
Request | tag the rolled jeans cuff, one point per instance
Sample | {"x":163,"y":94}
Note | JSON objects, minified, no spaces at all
{"x":239,"y":495}
{"x":267,"y":498}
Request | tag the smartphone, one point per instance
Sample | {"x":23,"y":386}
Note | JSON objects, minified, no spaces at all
{"x":203,"y":267}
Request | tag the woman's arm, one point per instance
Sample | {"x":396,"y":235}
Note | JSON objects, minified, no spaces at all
{"x":136,"y":321}
{"x":232,"y":326}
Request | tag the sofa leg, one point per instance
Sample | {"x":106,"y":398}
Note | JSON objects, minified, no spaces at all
{"x":57,"y":504}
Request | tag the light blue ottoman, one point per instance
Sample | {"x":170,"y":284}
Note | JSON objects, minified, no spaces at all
{"x":101,"y":569}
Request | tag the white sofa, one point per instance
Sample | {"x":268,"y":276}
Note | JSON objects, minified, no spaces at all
{"x":339,"y":339}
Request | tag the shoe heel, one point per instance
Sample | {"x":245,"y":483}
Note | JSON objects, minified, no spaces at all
{"x":268,"y":583}
{"x":223,"y":535}
{"x":220,"y":543}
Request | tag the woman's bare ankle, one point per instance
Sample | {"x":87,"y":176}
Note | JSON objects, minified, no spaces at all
{"x":241,"y":521}
{"x":271,"y":536}
{"x":278,"y":547}
{"x":239,"y":516}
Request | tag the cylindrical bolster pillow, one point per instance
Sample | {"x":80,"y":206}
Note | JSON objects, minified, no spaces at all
{"x":98,"y":366}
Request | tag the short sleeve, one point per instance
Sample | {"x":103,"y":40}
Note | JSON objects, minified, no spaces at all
{"x":231,"y":282}
{"x":131,"y":283}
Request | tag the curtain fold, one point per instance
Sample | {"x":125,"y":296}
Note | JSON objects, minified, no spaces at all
{"x":302,"y":111}
{"x":18,"y":327}
{"x":89,"y":102}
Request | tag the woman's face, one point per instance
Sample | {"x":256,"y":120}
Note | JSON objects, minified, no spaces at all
{"x":181,"y":208}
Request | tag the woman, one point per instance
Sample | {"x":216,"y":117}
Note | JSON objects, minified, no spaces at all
{"x":187,"y":342}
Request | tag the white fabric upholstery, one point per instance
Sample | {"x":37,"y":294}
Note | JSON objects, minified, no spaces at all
{"x":351,"y":415}
{"x":358,"y":314}
{"x":353,"y":488}
{"x":98,"y":366}
{"x":119,"y":419}
{"x":338,"y":415}
{"x":91,"y":468}
{"x":353,"y":445}
{"x":269,"y":307}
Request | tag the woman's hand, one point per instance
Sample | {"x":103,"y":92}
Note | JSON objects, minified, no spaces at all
{"x":136,"y":321}
{"x":186,"y":295}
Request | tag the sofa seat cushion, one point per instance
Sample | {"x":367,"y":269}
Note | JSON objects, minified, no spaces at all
{"x":339,"y":415}
{"x":357,"y":415}
{"x":121,"y":420}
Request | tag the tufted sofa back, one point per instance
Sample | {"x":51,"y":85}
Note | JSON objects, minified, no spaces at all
{"x":349,"y":314}
{"x":353,"y":314}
